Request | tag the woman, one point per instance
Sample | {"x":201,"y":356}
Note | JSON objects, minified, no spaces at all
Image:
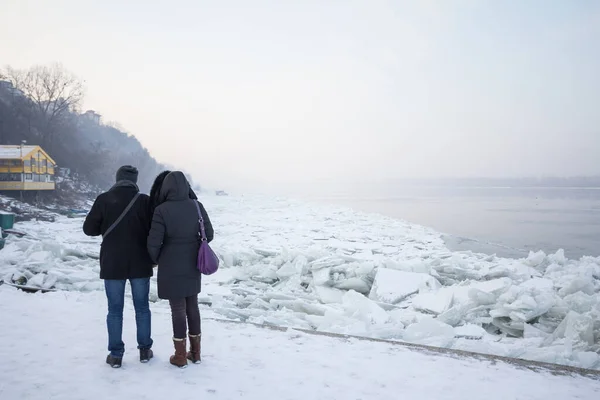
{"x":155,"y":190}
{"x":173,"y":244}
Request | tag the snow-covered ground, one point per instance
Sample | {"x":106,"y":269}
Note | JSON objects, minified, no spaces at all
{"x":52,"y":346}
{"x":332,"y":269}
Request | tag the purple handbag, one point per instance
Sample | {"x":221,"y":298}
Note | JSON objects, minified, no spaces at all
{"x":208,"y":262}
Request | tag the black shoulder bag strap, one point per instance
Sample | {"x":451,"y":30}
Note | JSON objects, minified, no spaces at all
{"x":125,"y":211}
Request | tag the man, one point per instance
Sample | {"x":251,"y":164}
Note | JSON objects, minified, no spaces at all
{"x":121,"y":215}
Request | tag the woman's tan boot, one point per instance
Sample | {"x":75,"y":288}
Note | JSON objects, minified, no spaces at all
{"x":179,"y":358}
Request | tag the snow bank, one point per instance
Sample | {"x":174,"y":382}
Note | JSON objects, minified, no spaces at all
{"x":332,"y":269}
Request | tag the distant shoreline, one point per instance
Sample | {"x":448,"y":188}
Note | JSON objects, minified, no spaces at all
{"x":505,"y":183}
{"x":504,"y":187}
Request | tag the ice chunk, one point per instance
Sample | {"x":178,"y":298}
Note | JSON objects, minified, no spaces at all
{"x":364,"y":268}
{"x":500,"y":312}
{"x":266,"y":276}
{"x":363,"y":308}
{"x":326,"y":262}
{"x":587,"y":359}
{"x":430,"y":332}
{"x":391,"y":286}
{"x":576,"y":329}
{"x":580,"y":302}
{"x":526,"y":308}
{"x":499,"y":271}
{"x":268,"y":296}
{"x":261,"y":305}
{"x":39,"y":257}
{"x":531,"y":332}
{"x":299,"y":306}
{"x":336,"y":322}
{"x":49,"y":281}
{"x":483,"y":291}
{"x":301,"y":264}
{"x":538,"y":284}
{"x":469,"y":331}
{"x":281,"y":319}
{"x":523,"y":273}
{"x":512,"y":328}
{"x":316,"y":321}
{"x":387,"y":331}
{"x":406,"y":316}
{"x":322,"y":277}
{"x":576,"y":285}
{"x":510,"y":295}
{"x":479,"y":315}
{"x":433,"y":302}
{"x":480,"y":297}
{"x":558,"y":258}
{"x":535,"y":259}
{"x":329,"y":295}
{"x":266,"y":252}
{"x":37,"y":281}
{"x":364,"y":255}
{"x":495,"y":286}
{"x":542,"y":354}
{"x":288,"y":270}
{"x":417,"y":265}
{"x":354,"y":283}
{"x":205,"y":299}
{"x":455,"y":315}
{"x":388,"y":250}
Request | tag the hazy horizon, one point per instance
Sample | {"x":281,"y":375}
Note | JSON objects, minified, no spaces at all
{"x":273,"y":95}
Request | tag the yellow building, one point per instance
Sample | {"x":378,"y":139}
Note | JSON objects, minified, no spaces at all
{"x":26,"y":168}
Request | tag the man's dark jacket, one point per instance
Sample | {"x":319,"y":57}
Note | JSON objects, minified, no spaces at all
{"x":124,"y":252}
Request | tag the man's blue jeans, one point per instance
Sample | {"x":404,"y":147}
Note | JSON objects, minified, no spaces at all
{"x":115,"y":294}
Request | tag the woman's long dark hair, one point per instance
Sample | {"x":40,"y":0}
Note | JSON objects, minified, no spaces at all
{"x":155,"y":190}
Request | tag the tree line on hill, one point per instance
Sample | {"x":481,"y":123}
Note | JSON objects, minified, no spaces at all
{"x":41,"y":105}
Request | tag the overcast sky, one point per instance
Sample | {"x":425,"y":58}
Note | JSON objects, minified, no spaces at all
{"x":271,"y":92}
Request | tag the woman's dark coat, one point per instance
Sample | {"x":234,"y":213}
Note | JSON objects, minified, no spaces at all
{"x":174,"y":239}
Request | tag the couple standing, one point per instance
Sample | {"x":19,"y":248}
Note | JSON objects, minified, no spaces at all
{"x":139,"y":232}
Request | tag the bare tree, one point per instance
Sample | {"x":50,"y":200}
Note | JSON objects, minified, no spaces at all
{"x":53,"y":93}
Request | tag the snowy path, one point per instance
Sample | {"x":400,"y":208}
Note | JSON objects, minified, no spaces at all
{"x":52,"y":347}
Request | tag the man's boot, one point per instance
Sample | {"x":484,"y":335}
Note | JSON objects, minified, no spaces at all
{"x":194,"y":354}
{"x":114,"y":362}
{"x":146,"y":355}
{"x":179,"y":358}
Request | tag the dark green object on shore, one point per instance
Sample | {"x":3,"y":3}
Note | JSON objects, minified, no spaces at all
{"x":7,"y":220}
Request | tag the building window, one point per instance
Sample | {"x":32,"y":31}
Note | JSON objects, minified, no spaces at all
{"x":16,"y":162}
{"x":10,"y":177}
{"x":29,"y":177}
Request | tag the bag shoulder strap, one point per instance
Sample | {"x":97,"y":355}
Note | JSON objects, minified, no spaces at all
{"x":125,"y":211}
{"x":200,"y":221}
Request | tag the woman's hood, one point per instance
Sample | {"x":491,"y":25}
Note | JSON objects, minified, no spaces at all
{"x":175,"y":187}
